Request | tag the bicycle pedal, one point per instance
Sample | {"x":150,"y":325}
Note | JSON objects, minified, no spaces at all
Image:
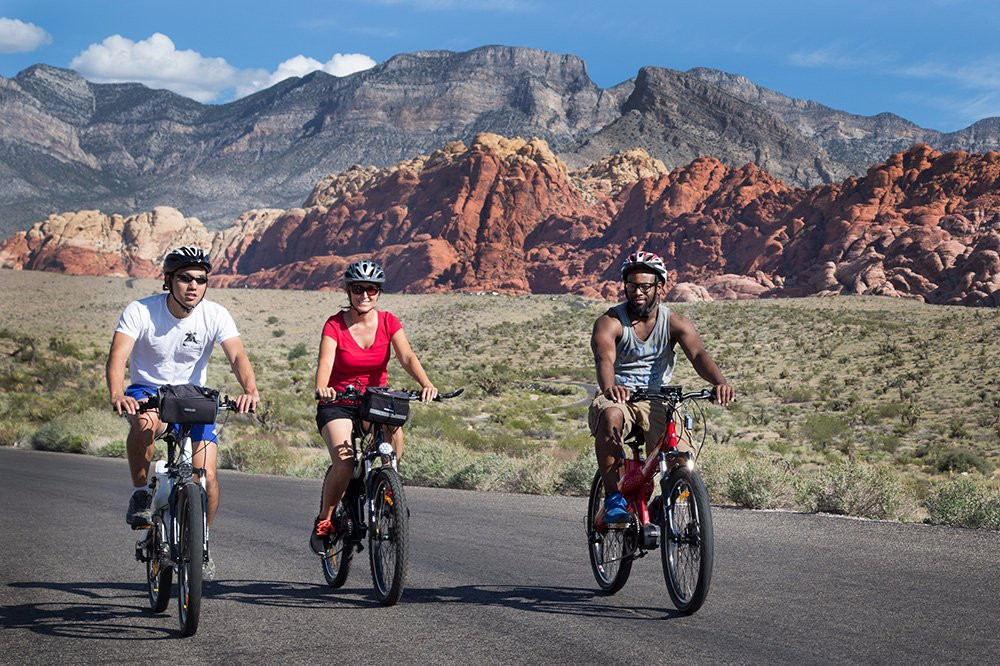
{"x":617,"y":526}
{"x":146,"y":526}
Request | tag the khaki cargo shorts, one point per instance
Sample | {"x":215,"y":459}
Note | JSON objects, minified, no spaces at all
{"x":649,"y":415}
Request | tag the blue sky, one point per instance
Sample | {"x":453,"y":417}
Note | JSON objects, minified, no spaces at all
{"x":935,"y":62}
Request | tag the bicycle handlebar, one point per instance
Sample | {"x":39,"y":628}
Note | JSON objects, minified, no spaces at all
{"x":671,"y":393}
{"x":153,"y":402}
{"x":353,"y":394}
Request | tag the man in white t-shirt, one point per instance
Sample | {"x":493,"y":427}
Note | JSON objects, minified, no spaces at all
{"x":168,"y":339}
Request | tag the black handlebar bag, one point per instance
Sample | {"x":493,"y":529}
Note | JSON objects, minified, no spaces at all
{"x":185,"y":404}
{"x":381,"y":405}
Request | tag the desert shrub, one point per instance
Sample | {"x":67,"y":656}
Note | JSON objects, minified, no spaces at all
{"x":278,"y":332}
{"x":113,"y":449}
{"x":961,"y":460}
{"x":576,"y":476}
{"x":535,"y":475}
{"x":254,"y":455}
{"x":757,"y":484}
{"x":13,"y":433}
{"x":432,"y":462}
{"x":963,"y":503}
{"x":272,"y":320}
{"x":855,"y":490}
{"x":298,"y":351}
{"x":487,"y":472}
{"x":496,"y":379}
{"x":821,"y":430}
{"x":74,"y":432}
{"x":64,"y":347}
{"x":63,"y":434}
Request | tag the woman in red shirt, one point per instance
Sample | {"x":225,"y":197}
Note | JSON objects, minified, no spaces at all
{"x":354,"y":350}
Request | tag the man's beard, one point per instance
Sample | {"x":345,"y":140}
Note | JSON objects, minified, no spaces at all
{"x":644,"y":311}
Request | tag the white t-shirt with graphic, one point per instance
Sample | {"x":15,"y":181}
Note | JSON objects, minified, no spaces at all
{"x":169,"y":350}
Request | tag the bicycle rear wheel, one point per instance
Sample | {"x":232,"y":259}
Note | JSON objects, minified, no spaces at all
{"x":388,"y":532}
{"x":338,"y":550}
{"x":190,"y":554}
{"x":159,"y":576}
{"x":610,"y":554}
{"x":688,"y":542}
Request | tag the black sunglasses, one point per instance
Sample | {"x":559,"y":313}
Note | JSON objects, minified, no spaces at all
{"x":644,"y":287}
{"x":184,"y":278}
{"x":358,"y":289}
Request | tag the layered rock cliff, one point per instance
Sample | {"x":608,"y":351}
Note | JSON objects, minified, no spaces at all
{"x":507,"y":214}
{"x":67,"y":144}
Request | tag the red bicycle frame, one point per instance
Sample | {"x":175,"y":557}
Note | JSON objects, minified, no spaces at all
{"x":636,"y":484}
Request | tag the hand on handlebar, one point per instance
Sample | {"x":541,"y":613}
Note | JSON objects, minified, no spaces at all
{"x":326,"y":393}
{"x":724,"y":394}
{"x":428,"y":393}
{"x":617,"y":393}
{"x":123,"y":403}
{"x":247,"y":402}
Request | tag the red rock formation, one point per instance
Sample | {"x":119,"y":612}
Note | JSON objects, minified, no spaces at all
{"x":505,"y":215}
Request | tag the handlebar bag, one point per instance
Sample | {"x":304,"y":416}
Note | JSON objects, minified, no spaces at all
{"x":381,"y":405}
{"x":188,"y":404}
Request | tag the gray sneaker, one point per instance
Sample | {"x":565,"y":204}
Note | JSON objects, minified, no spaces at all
{"x":138,"y":514}
{"x":208,"y":569}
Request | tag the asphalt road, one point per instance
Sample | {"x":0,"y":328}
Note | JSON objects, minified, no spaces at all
{"x":493,"y":579}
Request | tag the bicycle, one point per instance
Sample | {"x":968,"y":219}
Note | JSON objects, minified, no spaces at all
{"x":373,"y":506}
{"x":683,"y":514}
{"x":177,"y":538}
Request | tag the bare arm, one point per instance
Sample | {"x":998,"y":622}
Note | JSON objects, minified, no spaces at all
{"x":410,"y":363}
{"x":606,"y":331}
{"x":324,"y":367}
{"x":683,"y":331}
{"x":240,"y":364}
{"x":114,"y":373}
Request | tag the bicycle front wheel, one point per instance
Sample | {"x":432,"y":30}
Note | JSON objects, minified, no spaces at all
{"x":688,"y":541}
{"x":388,"y":532}
{"x":159,"y":576}
{"x":338,"y":550}
{"x":610,"y":555}
{"x":190,"y":556}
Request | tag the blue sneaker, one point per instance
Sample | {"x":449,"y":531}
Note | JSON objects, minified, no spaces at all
{"x":615,"y":509}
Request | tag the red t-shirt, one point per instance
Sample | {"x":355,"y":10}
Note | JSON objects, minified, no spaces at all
{"x":357,"y":366}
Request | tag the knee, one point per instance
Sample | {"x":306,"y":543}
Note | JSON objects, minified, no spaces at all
{"x":611,"y":423}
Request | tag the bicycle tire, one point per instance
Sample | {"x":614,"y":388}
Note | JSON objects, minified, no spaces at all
{"x":158,"y":576}
{"x":688,"y":541}
{"x":388,"y":536}
{"x":190,"y":555}
{"x":610,"y":556}
{"x":338,"y":551}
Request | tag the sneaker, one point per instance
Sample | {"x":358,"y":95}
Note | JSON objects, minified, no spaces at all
{"x":322,"y":530}
{"x":208,"y":569}
{"x":138,"y":514}
{"x":615,"y":509}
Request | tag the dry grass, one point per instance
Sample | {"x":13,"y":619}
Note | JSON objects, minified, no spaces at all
{"x":868,"y":381}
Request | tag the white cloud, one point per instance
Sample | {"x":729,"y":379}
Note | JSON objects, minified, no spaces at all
{"x":341,"y":64}
{"x":157,"y":63}
{"x":17,"y":36}
{"x":982,"y":74}
{"x":838,"y":57}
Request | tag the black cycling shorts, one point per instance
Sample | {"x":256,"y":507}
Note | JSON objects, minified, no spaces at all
{"x":331,"y":411}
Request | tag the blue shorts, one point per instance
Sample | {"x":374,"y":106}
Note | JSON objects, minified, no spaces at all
{"x":200,"y":432}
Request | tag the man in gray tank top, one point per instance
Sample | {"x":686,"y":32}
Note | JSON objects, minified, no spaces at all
{"x":633,"y":345}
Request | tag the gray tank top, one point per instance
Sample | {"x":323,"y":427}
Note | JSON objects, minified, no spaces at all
{"x":645,"y":363}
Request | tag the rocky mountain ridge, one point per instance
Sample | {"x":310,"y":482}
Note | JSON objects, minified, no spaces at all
{"x":67,"y":144}
{"x":508,"y":215}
